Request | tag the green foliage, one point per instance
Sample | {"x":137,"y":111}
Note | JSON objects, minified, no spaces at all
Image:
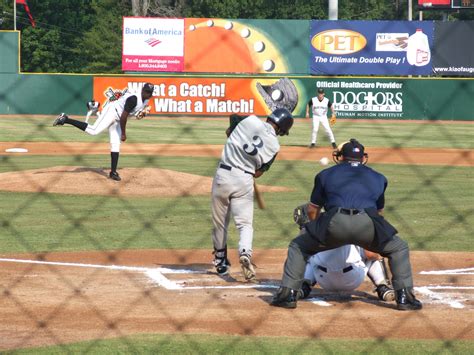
{"x":85,"y":36}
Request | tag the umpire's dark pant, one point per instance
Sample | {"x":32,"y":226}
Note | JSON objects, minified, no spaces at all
{"x":347,"y":229}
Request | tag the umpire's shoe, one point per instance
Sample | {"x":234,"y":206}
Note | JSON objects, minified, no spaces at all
{"x":385,"y":293}
{"x":59,"y":121}
{"x":406,"y":300}
{"x":247,"y":268}
{"x":285,"y":297}
{"x":115,"y":176}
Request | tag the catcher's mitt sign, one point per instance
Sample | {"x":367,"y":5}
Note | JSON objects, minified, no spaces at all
{"x":207,"y":96}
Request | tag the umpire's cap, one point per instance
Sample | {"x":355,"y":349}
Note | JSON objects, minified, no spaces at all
{"x":148,"y":87}
{"x":283,"y":119}
{"x":352,"y":150}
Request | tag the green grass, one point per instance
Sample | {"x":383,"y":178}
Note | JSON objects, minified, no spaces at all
{"x":212,"y":344}
{"x":433,"y":216}
{"x":193,"y":131}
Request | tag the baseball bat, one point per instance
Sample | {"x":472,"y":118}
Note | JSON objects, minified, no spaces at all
{"x":258,"y":197}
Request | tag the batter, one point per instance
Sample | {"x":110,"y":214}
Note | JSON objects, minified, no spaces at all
{"x":250,"y":150}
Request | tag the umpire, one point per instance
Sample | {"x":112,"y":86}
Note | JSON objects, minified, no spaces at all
{"x":352,"y":195}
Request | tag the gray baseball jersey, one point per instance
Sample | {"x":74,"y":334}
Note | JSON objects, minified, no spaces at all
{"x":252,"y":144}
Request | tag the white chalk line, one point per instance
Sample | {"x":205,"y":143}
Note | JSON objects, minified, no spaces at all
{"x":157,"y":275}
{"x":466,"y":271}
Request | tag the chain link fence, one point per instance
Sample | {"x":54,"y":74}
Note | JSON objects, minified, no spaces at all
{"x":88,"y":264}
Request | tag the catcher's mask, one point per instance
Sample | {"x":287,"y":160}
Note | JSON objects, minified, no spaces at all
{"x":351,"y":150}
{"x":283,"y":119}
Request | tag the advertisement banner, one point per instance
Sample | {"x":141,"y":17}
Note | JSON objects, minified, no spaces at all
{"x":153,"y":44}
{"x":208,"y":96}
{"x":452,"y":53}
{"x":371,"y":47}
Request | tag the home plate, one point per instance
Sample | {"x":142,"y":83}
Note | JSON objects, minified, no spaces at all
{"x":16,"y":150}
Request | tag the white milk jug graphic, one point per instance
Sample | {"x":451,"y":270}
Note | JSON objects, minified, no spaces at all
{"x":418,"y":49}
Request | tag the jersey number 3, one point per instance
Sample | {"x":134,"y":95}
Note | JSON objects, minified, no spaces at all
{"x":258,"y":144}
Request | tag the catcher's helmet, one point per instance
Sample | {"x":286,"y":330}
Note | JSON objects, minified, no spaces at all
{"x":283,"y":119}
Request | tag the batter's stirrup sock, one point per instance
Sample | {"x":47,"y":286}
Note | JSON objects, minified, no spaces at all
{"x":114,"y":160}
{"x":79,"y":124}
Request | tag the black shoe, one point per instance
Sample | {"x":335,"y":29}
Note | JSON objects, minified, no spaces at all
{"x":285,"y":297}
{"x":305,"y":290}
{"x":222,"y":266}
{"x":59,"y":121}
{"x":385,"y":293}
{"x":312,"y":145}
{"x":406,"y":300}
{"x":334,"y":145}
{"x":115,"y":176}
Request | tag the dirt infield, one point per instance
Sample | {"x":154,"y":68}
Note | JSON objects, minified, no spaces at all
{"x":419,"y":156}
{"x":81,"y":296}
{"x":138,"y":182}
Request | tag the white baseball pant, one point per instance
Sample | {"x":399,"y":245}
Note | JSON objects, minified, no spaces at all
{"x":108,"y":119}
{"x":232,"y":193}
{"x":323,"y":120}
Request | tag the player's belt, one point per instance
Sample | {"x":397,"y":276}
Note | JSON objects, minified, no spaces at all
{"x":346,"y":269}
{"x":350,"y":211}
{"x":227,"y":167}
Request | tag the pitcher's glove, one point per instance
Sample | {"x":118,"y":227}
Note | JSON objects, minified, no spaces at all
{"x":332,"y":120}
{"x":143,"y":113}
{"x":300,"y":215}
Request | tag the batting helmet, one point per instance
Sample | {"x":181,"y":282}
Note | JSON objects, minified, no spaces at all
{"x":283,"y":119}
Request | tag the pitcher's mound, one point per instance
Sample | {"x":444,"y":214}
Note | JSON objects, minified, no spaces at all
{"x":149,"y":182}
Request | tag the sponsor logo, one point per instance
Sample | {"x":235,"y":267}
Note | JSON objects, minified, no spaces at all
{"x":376,"y":101}
{"x":339,"y":41}
{"x":152,"y":42}
{"x":152,"y":31}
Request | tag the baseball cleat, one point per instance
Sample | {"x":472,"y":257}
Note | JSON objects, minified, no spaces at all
{"x":285,"y":297}
{"x":312,"y":145}
{"x":406,"y":300}
{"x":59,"y":121}
{"x":247,"y":268}
{"x":385,"y":293}
{"x":334,"y":145}
{"x":115,"y":176}
{"x":222,"y":266}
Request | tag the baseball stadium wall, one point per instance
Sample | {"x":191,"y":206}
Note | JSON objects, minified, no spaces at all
{"x":354,"y":97}
{"x":220,"y":95}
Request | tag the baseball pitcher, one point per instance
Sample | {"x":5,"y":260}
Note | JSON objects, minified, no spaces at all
{"x":250,"y":150}
{"x":319,"y":107}
{"x":114,"y":117}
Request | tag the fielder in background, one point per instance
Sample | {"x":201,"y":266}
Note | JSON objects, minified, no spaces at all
{"x":353,"y":197}
{"x":114,"y":118}
{"x":319,"y":106}
{"x":250,"y":150}
{"x":92,"y":109}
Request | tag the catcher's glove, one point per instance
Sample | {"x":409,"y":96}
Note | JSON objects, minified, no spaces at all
{"x":143,"y":113}
{"x":300,"y":215}
{"x":332,"y":120}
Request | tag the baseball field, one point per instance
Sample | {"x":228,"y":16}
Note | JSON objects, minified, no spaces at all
{"x":88,"y":264}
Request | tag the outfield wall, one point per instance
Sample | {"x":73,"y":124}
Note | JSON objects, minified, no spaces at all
{"x":353,"y":97}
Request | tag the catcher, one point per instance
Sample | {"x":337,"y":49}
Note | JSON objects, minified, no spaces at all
{"x":343,"y":268}
{"x":319,"y":106}
{"x":114,"y":117}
